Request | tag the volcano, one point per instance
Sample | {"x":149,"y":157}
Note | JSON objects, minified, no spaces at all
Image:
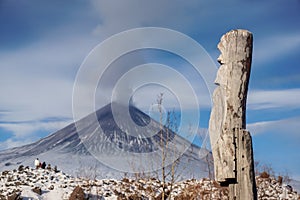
{"x":99,"y":144}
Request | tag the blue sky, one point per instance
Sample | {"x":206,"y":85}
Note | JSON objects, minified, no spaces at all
{"x":43,"y":44}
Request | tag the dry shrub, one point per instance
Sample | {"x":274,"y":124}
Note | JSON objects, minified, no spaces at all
{"x":264,"y":175}
{"x":77,"y":194}
{"x":280,"y":179}
{"x":159,"y":197}
{"x":191,"y":192}
{"x":125,"y":180}
{"x":216,"y":184}
{"x":136,"y":197}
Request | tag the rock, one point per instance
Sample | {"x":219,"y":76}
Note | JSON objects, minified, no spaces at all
{"x":51,"y":187}
{"x":49,"y":167}
{"x":136,"y":197}
{"x":37,"y":190}
{"x":14,"y":196}
{"x":231,"y":143}
{"x":7,"y":164}
{"x":77,"y":194}
{"x":4,"y":173}
{"x":55,"y":169}
{"x":289,"y":188}
{"x":21,"y":168}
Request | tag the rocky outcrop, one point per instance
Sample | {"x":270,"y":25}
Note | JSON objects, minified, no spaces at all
{"x":231,"y":143}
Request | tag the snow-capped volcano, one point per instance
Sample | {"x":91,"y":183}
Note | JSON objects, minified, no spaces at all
{"x":108,"y":142}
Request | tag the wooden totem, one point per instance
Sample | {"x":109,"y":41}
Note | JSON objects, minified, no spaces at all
{"x":231,"y":142}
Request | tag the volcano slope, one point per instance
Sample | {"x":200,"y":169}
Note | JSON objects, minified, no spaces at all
{"x":99,"y":146}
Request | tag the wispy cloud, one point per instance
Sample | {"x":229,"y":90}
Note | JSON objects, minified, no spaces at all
{"x":11,"y":143}
{"x":268,"y":99}
{"x":286,"y":127}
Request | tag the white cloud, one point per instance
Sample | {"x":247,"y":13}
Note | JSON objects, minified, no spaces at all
{"x":268,"y":99}
{"x":287,"y":127}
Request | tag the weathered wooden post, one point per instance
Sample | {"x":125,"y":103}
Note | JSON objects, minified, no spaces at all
{"x":231,"y":142}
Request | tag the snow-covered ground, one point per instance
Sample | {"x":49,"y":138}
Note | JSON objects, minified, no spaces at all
{"x":296,"y":185}
{"x":60,"y":186}
{"x":270,"y":188}
{"x":51,"y":185}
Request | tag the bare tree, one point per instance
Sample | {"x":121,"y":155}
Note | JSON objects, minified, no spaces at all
{"x":159,"y":102}
{"x":169,"y":151}
{"x":285,"y":177}
{"x":268,"y":169}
